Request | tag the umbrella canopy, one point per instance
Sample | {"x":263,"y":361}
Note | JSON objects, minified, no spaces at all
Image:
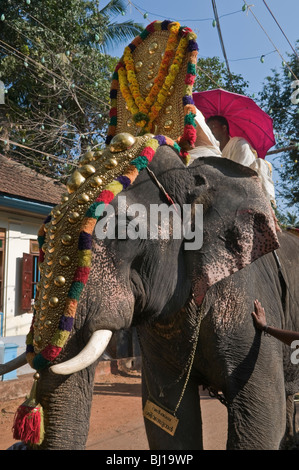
{"x":246,"y":119}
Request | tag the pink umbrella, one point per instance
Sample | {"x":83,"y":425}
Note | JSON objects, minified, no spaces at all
{"x":245,"y":118}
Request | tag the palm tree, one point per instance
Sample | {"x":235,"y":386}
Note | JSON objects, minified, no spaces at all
{"x":292,"y":219}
{"x":116,"y":33}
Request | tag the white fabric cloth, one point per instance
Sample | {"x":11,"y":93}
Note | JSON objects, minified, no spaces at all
{"x":212,"y":150}
{"x":239,"y":150}
{"x":264,"y":171}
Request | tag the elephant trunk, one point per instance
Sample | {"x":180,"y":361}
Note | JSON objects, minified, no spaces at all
{"x":66,"y":402}
{"x":14,"y":364}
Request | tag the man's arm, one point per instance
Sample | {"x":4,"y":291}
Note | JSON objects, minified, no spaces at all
{"x":259,"y":316}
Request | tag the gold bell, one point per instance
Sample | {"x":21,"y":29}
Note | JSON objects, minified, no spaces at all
{"x":74,"y":217}
{"x":87,"y":170}
{"x":51,"y":246}
{"x":171,"y":90}
{"x":138,"y":66}
{"x":75,"y":181}
{"x":149,"y":86}
{"x":96,"y":181}
{"x":86,"y":158}
{"x":65,"y":260}
{"x":112,"y":163}
{"x":56,"y":213}
{"x":53,"y":302}
{"x":98,"y":154}
{"x":121,"y":142}
{"x":48,"y":272}
{"x":49,"y":260}
{"x":59,"y":281}
{"x":153,"y":47}
{"x":66,"y":239}
{"x":89,"y":155}
{"x":168,"y":125}
{"x":83,"y":198}
{"x":65,"y":197}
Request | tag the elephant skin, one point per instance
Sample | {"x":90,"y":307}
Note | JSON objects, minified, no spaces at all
{"x":192,"y":310}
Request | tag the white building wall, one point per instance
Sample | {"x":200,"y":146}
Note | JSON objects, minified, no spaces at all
{"x":19,"y":231}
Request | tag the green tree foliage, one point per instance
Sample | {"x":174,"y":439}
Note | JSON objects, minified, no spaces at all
{"x":275,"y":99}
{"x":212,"y":73}
{"x":57,"y":75}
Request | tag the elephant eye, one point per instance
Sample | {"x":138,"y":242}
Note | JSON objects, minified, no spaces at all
{"x":205,"y":198}
{"x":199,"y":180}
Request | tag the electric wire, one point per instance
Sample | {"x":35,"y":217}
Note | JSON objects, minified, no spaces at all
{"x":277,"y":50}
{"x":221,"y":38}
{"x":52,"y":53}
{"x":295,"y":52}
{"x":24,"y":57}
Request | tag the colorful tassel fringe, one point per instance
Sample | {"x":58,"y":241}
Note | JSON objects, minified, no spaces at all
{"x":28,"y":423}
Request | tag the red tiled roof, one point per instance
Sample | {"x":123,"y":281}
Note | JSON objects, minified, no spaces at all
{"x":20,"y":181}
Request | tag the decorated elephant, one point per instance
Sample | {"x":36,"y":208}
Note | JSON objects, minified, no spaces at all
{"x":192,"y":310}
{"x":187,"y":280}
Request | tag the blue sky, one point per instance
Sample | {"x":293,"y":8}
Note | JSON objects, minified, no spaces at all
{"x":246,"y":38}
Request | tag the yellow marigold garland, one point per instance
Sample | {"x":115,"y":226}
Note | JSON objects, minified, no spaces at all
{"x":129,"y":84}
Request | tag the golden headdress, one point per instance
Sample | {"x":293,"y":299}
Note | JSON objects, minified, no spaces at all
{"x":151,"y":89}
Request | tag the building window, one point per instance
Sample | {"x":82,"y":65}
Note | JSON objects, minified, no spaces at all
{"x":2,"y":258}
{"x":30,"y":275}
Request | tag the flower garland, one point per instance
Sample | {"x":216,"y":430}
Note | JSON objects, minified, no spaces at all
{"x":129,"y":85}
{"x":45,"y":357}
{"x":146,"y":111}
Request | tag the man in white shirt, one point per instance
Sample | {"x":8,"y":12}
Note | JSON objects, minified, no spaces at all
{"x":205,"y":145}
{"x":239,"y":150}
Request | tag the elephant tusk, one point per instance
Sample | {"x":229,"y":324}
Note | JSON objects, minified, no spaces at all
{"x":89,"y":354}
{"x":14,"y":364}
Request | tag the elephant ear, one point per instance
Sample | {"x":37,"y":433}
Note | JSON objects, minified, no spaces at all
{"x":238,"y":222}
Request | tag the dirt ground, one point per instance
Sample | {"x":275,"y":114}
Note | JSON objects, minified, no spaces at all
{"x":116,"y":417}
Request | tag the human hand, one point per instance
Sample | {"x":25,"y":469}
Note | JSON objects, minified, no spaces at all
{"x":259,"y":315}
{"x":184,"y":144}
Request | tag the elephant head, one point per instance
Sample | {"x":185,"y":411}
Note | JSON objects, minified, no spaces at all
{"x":102,"y":284}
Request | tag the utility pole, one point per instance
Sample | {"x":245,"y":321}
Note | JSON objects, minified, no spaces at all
{"x":220,"y":38}
{"x":4,"y":134}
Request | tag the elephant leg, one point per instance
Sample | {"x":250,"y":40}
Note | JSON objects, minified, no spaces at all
{"x":290,"y":438}
{"x":188,"y":434}
{"x":257,"y":417}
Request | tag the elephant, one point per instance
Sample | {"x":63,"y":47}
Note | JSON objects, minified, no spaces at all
{"x":192,"y":311}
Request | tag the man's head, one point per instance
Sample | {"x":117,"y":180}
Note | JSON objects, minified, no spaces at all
{"x":219,"y":126}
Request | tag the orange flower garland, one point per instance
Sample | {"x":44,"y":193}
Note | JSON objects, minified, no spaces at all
{"x":129,"y":85}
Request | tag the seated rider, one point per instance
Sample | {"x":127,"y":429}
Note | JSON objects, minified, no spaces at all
{"x":239,"y":150}
{"x":206,"y":144}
